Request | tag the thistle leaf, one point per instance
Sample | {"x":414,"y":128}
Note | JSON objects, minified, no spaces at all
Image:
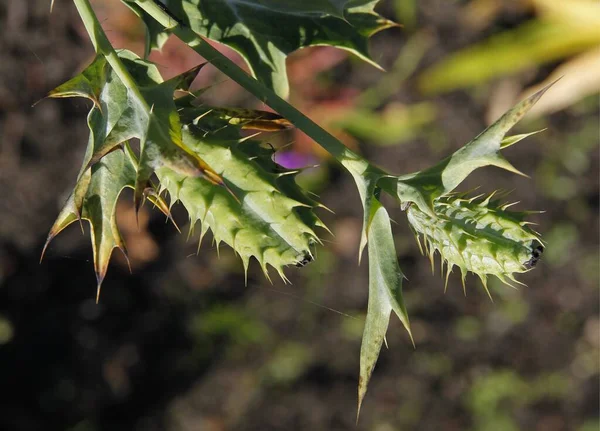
{"x":385,"y":293}
{"x":385,"y":275}
{"x":266,"y":216}
{"x":423,"y":187}
{"x":143,"y":109}
{"x":94,"y":199}
{"x":478,"y":235}
{"x":265,"y":32}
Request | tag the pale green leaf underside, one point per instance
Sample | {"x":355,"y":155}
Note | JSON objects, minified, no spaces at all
{"x":266,"y":216}
{"x":385,"y":292}
{"x":478,"y":235}
{"x":265,"y":32}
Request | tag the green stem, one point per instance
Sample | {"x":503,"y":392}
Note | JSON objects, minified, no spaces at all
{"x":350,"y":160}
{"x":103,"y":46}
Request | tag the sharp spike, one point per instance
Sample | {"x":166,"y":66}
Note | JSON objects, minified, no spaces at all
{"x":508,"y":205}
{"x":203,"y":230}
{"x":247,"y":138}
{"x":80,"y":220}
{"x":442,"y":261}
{"x":474,"y":198}
{"x":217,"y":244}
{"x":448,"y":271}
{"x":319,"y":205}
{"x":190,"y":230}
{"x":50,"y":238}
{"x":266,"y":272}
{"x":283,"y":277}
{"x":426,"y":245}
{"x":463,"y":276}
{"x":285,"y":173}
{"x":99,"y":279}
{"x":412,"y":340}
{"x":417,"y":236}
{"x":126,"y":256}
{"x":514,"y":280}
{"x":245,"y":264}
{"x":431,"y":259}
{"x":484,"y":282}
{"x":199,"y":117}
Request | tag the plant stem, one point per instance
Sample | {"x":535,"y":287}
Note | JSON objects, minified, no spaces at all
{"x":103,"y":46}
{"x":350,"y":160}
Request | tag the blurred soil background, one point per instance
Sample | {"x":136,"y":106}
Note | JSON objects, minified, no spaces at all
{"x":183,"y":344}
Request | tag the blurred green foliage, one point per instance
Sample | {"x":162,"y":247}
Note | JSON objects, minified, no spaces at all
{"x":558,"y":31}
{"x":232,"y":324}
{"x":495,"y":396}
{"x":6,"y":330}
{"x":395,"y":125}
{"x":467,"y":328}
{"x":287,"y":363}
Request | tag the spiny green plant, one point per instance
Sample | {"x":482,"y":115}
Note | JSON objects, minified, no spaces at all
{"x":476,"y":235}
{"x":230,"y":184}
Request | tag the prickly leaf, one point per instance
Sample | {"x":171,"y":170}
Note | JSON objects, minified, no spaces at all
{"x":94,"y":199}
{"x":142,"y":109}
{"x":477,"y":235}
{"x":265,"y":216}
{"x":385,"y":293}
{"x":265,"y":32}
{"x":423,"y":187}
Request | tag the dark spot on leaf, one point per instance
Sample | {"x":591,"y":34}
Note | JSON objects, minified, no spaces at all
{"x":306,"y":259}
{"x":536,"y":254}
